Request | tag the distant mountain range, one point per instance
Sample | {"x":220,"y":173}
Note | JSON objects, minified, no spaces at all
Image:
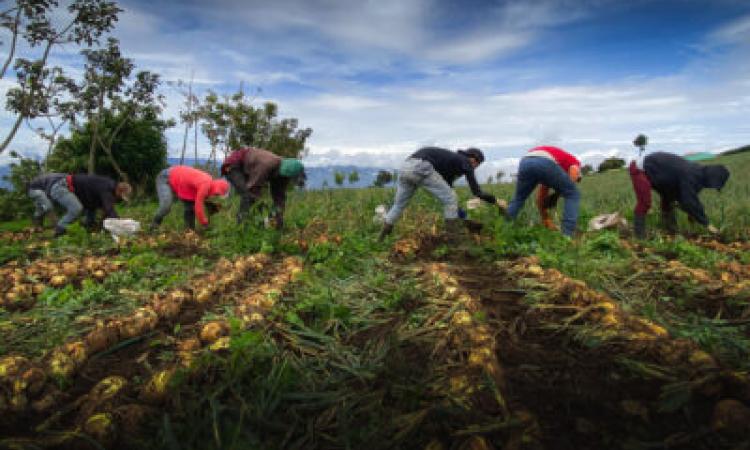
{"x":321,"y":176}
{"x":4,"y":172}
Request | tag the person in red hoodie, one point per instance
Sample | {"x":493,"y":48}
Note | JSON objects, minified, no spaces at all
{"x":193,"y":187}
{"x":549,"y":167}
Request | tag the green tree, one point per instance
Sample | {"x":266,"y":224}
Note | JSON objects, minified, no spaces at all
{"x":384,"y":177}
{"x":338,"y":177}
{"x":353,"y":177}
{"x":587,"y":169}
{"x":231,"y":122}
{"x":189,"y":115}
{"x":13,"y":202}
{"x":139,"y":150}
{"x":499,"y":176}
{"x":611,"y":163}
{"x":107,"y":93}
{"x":39,"y":26}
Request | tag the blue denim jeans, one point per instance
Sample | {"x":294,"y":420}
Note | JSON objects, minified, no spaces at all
{"x":42,"y":203}
{"x":538,"y":170}
{"x":165,"y":194}
{"x":60,"y":193}
{"x":413,"y":174}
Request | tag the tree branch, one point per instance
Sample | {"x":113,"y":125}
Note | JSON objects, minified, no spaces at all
{"x":12,"y":51}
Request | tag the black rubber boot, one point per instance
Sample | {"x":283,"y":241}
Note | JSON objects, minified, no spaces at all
{"x":59,"y":231}
{"x":669,"y":221}
{"x":473,"y":226}
{"x":639,"y":227}
{"x":153,"y":226}
{"x":37,"y":222}
{"x":387,"y":229}
{"x":454,"y":231}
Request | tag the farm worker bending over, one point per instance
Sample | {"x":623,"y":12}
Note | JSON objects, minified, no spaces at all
{"x":193,"y":187}
{"x":39,"y":190}
{"x":436,"y":169}
{"x":676,"y":180}
{"x":641,"y":187}
{"x":549,"y":167}
{"x":77,"y":193}
{"x":249,"y":169}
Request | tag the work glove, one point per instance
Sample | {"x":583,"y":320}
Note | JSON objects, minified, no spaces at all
{"x":712,"y":229}
{"x":502,"y":206}
{"x":473,"y":226}
{"x":549,"y":224}
{"x":212,"y":208}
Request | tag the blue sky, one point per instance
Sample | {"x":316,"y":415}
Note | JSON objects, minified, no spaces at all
{"x":377,"y":79}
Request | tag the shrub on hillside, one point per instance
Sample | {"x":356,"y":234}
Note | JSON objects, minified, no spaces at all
{"x":611,"y":163}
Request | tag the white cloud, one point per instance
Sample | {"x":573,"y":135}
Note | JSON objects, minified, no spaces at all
{"x":478,"y":48}
{"x":344,"y":102}
{"x":737,"y":31}
{"x":377,"y":80}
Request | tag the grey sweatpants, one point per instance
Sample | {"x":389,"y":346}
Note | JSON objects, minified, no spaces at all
{"x":413,"y":174}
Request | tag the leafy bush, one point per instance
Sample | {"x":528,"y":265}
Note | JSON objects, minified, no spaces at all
{"x":611,"y":163}
{"x":14,"y":203}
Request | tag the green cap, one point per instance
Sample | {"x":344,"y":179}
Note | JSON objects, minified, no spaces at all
{"x":290,"y":167}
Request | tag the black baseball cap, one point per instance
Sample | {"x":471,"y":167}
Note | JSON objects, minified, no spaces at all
{"x":473,"y":153}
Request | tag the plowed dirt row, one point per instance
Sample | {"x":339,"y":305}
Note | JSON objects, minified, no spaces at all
{"x":110,"y":394}
{"x":580,"y":373}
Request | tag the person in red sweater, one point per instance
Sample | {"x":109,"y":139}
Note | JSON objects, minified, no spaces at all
{"x":549,"y":167}
{"x":193,"y":187}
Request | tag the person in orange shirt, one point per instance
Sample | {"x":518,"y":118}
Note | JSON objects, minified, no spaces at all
{"x":547,"y":167}
{"x":193,"y":187}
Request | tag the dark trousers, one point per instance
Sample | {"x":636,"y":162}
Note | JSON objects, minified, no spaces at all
{"x":239,"y":182}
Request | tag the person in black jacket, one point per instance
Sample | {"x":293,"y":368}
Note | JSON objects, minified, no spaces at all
{"x":436,"y":169}
{"x":678,"y":180}
{"x":93,"y":192}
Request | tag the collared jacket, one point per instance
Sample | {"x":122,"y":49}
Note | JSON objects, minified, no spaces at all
{"x":451,"y":166}
{"x":45,"y":181}
{"x":260,"y":167}
{"x":677,"y":179}
{"x":94,"y":192}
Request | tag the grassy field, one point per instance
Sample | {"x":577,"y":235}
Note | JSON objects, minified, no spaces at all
{"x":322,"y":337}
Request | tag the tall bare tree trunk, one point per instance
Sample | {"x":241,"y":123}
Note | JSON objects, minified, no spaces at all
{"x":188,"y":122}
{"x":195,"y":140}
{"x":123,"y":176}
{"x":12,"y":133}
{"x":95,"y":135}
{"x":22,"y":115}
{"x":12,"y":52}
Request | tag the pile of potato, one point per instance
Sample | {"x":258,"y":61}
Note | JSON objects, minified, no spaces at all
{"x":20,"y":285}
{"x":63,"y":362}
{"x":215,"y":334}
{"x":16,"y":236}
{"x":22,"y":386}
{"x":472,"y":339}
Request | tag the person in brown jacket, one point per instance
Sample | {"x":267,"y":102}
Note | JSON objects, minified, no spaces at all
{"x":249,"y":169}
